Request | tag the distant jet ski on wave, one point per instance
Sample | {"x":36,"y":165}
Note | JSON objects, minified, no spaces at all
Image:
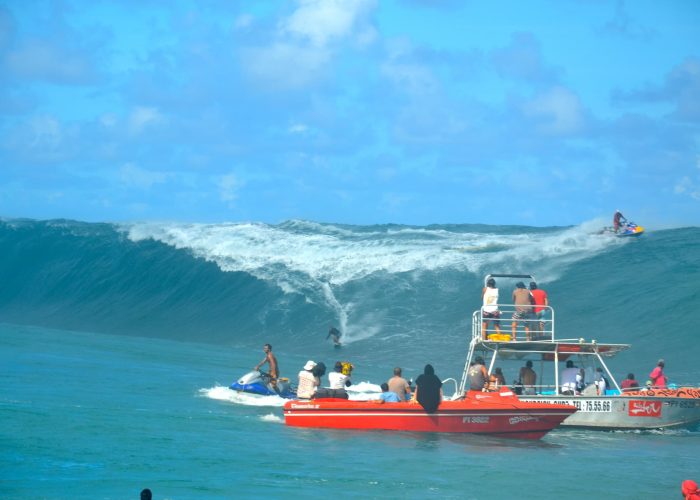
{"x":622,"y":228}
{"x":258,"y":383}
{"x":624,"y":231}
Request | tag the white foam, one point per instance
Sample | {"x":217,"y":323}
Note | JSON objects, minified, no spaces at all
{"x":225,"y":394}
{"x":271,"y":417}
{"x":333,"y":256}
{"x":314,"y":259}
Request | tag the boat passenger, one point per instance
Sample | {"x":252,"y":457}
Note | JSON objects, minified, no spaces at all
{"x":387,"y":396}
{"x":271,"y":360}
{"x":657,"y":377}
{"x":540,"y":298}
{"x":629,"y":383}
{"x":399,"y":385}
{"x":478,"y":376}
{"x":528,"y":378}
{"x":337,"y":379}
{"x":496,"y":380}
{"x":428,"y":390}
{"x":690,"y":490}
{"x":600,"y":382}
{"x":570,"y":379}
{"x":523,"y":301}
{"x":308,"y":382}
{"x":490,"y":310}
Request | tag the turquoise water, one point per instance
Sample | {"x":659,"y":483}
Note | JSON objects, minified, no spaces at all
{"x":117,"y":344}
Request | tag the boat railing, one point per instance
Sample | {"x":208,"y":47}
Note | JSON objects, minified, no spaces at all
{"x":512,"y":323}
{"x":457,"y":394}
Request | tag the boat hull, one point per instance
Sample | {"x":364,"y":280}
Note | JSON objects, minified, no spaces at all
{"x":491,"y":414}
{"x":633,"y":410}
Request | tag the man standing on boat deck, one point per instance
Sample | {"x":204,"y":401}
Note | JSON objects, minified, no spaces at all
{"x":271,"y":360}
{"x":540,"y":298}
{"x":489,"y":311}
{"x":657,"y":376}
{"x":523,"y":301}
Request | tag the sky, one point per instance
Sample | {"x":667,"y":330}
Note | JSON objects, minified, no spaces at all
{"x":351,"y":111}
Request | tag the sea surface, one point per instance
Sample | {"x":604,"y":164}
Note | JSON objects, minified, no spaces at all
{"x":118,"y":343}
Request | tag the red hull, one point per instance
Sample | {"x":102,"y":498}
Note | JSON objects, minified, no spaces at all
{"x":483,"y":413}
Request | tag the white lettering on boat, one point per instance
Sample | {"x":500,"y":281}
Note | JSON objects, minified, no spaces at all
{"x":525,"y":418}
{"x":582,"y":405}
{"x":475,"y":420}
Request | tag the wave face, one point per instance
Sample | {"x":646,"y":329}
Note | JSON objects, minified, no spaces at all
{"x":391,"y":288}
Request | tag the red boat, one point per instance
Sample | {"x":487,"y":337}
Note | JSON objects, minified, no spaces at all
{"x":493,"y":413}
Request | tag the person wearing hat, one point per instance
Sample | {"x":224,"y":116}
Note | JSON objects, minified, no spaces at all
{"x":657,"y":376}
{"x":541,"y":301}
{"x":489,"y":310}
{"x":523,"y":301}
{"x":308,"y":382}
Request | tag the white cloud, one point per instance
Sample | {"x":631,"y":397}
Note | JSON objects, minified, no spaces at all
{"x":285,"y":64}
{"x":229,"y":185}
{"x":46,"y":132}
{"x":560,"y":110}
{"x":132,"y":175}
{"x":297,"y":128}
{"x":142,"y":117}
{"x":321,"y":21}
{"x":243,"y":21}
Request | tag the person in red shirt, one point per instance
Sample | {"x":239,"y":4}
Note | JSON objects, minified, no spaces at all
{"x":629,"y":383}
{"x":657,"y":376}
{"x":689,"y":489}
{"x":541,"y":300}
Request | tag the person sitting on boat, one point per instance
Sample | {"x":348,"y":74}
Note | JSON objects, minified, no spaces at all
{"x":271,"y":360}
{"x":657,"y":377}
{"x":399,"y":385}
{"x":490,"y":310}
{"x":690,"y":490}
{"x":601,"y":383}
{"x":618,"y":219}
{"x":337,"y":381}
{"x":308,"y":382}
{"x":478,"y":376}
{"x":496,"y":380}
{"x":428,"y":390}
{"x":629,"y":383}
{"x":528,"y":378}
{"x":387,"y":396}
{"x":523,"y":301}
{"x":570,"y":379}
{"x":540,"y":298}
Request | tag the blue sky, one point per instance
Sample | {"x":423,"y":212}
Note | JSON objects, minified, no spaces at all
{"x":365,"y":111}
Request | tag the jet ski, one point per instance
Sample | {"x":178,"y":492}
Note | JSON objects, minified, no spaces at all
{"x":625,"y":230}
{"x":257,"y":382}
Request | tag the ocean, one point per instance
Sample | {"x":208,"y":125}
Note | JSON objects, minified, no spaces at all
{"x":118,"y":342}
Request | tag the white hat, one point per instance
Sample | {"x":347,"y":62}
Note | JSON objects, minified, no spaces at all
{"x":309,"y":365}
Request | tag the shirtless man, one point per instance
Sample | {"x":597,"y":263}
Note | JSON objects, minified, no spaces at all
{"x":528,"y":378}
{"x":523,"y":301}
{"x":271,"y":360}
